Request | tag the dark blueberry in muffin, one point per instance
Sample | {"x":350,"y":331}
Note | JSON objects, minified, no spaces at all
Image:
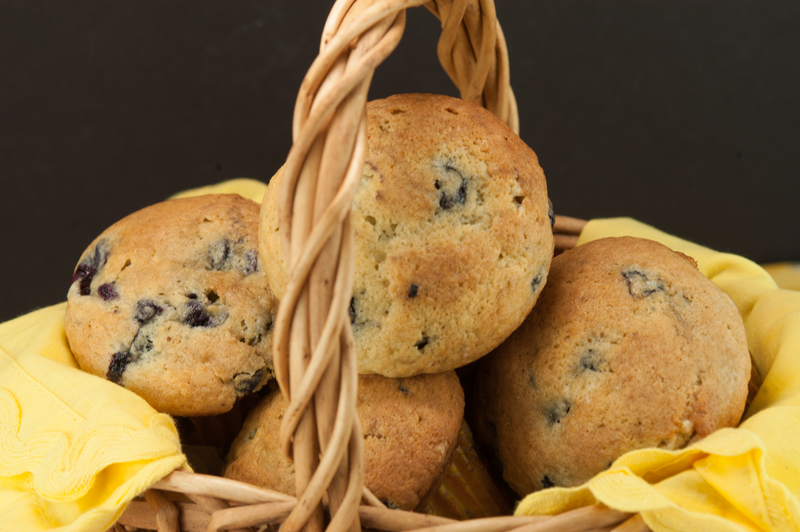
{"x":85,"y":273}
{"x":245,"y":383}
{"x":551,"y":213}
{"x":591,"y":360}
{"x":218,"y":254}
{"x":402,"y":388}
{"x":412,"y":291}
{"x":422,"y":343}
{"x":146,"y":310}
{"x":107,"y":292}
{"x":195,"y":314}
{"x":119,"y":361}
{"x":546,"y":482}
{"x":452,"y":189}
{"x":640,"y":285}
{"x":556,"y":411}
{"x":89,"y":266}
{"x":251,"y":262}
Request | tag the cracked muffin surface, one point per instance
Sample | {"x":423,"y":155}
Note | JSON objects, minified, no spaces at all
{"x":630,"y":346}
{"x":453,"y":235}
{"x":172,"y":303}
{"x":410,"y":428}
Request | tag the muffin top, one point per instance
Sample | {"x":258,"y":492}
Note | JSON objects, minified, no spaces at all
{"x":410,"y":428}
{"x":171,"y":302}
{"x":630,"y":346}
{"x":453,"y":235}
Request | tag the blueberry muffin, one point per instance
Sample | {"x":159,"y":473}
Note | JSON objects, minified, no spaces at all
{"x":630,"y":346}
{"x":453,"y":234}
{"x":410,"y":427}
{"x":172,"y":303}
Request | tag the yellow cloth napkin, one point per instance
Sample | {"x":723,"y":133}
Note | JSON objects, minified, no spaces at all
{"x":75,"y":448}
{"x":245,"y":187}
{"x":740,"y":479}
{"x":786,"y":274}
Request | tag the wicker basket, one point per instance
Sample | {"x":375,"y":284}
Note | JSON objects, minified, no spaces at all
{"x":313,"y":351}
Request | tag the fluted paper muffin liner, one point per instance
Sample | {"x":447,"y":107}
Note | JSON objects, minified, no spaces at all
{"x":466,"y":489}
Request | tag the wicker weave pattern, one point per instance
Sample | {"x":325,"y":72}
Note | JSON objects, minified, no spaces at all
{"x":313,"y":344}
{"x":224,"y":504}
{"x":314,"y":355}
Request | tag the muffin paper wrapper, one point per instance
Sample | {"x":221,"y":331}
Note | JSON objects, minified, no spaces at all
{"x":466,"y":489}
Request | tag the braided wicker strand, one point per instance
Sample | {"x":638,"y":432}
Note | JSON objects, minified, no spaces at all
{"x":312,"y":331}
{"x":266,"y":507}
{"x":225,"y":504}
{"x":314,"y":354}
{"x":473,"y":52}
{"x":566,"y":231}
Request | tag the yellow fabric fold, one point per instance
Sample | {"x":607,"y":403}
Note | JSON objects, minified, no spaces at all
{"x":247,"y":188}
{"x":786,"y":274}
{"x":738,"y":479}
{"x":75,"y":448}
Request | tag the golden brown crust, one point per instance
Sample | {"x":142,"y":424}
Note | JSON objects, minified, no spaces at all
{"x":453,"y":235}
{"x":171,"y":303}
{"x":630,"y":346}
{"x":410,"y":430}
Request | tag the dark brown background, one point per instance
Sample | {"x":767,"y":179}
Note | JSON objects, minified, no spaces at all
{"x":684,"y":114}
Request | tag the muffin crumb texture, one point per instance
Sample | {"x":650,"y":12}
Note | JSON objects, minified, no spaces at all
{"x":630,"y":346}
{"x":410,"y":427}
{"x":171,"y":302}
{"x":453,"y":236}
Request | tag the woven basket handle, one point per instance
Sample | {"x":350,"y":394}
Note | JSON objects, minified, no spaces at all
{"x":314,"y":354}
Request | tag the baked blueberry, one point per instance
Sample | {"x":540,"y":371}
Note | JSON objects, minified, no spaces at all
{"x":195,"y":315}
{"x":412,"y":291}
{"x":417,"y":418}
{"x":146,"y":310}
{"x":218,"y":254}
{"x":107,"y":292}
{"x":640,"y":284}
{"x":181,"y":304}
{"x":119,"y":361}
{"x":557,"y":410}
{"x":630,"y":346}
{"x":247,"y":382}
{"x":452,"y":226}
{"x":84,"y":273}
{"x":452,"y":188}
{"x":593,"y":361}
{"x":352,"y":311}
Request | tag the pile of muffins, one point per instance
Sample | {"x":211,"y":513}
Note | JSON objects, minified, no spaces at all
{"x":459,"y":312}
